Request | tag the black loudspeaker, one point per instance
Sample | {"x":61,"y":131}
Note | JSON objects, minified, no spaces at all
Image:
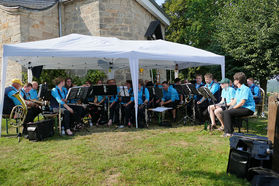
{"x":37,"y":131}
{"x":239,"y":162}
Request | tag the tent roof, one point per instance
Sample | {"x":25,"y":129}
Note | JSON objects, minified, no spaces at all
{"x":77,"y":51}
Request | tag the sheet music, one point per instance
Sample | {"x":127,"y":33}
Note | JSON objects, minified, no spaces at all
{"x":123,"y":91}
{"x":161,"y":109}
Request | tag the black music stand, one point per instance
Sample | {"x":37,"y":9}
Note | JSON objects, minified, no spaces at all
{"x":189,"y":91}
{"x":205,"y":92}
{"x":44,"y":93}
{"x":72,"y":93}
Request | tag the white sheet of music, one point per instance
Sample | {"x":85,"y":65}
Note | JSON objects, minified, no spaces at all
{"x":161,"y":109}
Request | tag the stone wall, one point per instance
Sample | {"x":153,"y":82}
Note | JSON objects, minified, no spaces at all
{"x":81,"y":16}
{"x":10,"y":33}
{"x":39,"y":25}
{"x":126,"y":19}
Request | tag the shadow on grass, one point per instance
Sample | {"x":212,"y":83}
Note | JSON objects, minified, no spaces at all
{"x":223,"y":177}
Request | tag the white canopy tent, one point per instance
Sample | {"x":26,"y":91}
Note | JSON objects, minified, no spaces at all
{"x":89,"y":52}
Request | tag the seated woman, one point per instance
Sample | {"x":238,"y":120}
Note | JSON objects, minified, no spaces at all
{"x":71,"y":114}
{"x":227,"y":96}
{"x":242,"y":105}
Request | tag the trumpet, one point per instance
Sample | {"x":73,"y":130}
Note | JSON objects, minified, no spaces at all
{"x":19,"y":112}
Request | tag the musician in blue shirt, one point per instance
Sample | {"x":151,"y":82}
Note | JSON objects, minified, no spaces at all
{"x":71,"y":114}
{"x":127,"y":104}
{"x":33,"y":92}
{"x":170,"y":98}
{"x":143,"y":99}
{"x":242,"y":105}
{"x":25,"y":91}
{"x":255,"y":89}
{"x":10,"y":101}
{"x":198,"y":84}
{"x":204,"y":103}
{"x":228,"y":94}
{"x":113,"y":105}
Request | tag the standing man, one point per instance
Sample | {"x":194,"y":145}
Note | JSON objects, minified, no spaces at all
{"x":170,"y":98}
{"x":255,"y":90}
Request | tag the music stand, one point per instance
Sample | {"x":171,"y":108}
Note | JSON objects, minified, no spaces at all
{"x":205,"y":92}
{"x":124,"y":91}
{"x":110,"y":90}
{"x":189,"y":90}
{"x":72,"y":93}
{"x":44,"y":93}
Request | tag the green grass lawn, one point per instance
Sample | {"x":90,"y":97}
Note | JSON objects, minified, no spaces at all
{"x":184,"y":155}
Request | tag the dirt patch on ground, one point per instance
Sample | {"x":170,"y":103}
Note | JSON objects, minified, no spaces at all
{"x":112,"y":178}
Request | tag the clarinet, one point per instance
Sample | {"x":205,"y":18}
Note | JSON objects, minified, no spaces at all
{"x":226,"y":106}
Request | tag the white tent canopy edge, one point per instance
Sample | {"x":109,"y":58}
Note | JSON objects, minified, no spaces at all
{"x":76,"y":51}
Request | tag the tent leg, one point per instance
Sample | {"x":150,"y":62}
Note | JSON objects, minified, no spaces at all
{"x":134,"y":68}
{"x":30,"y":75}
{"x":3,"y":81}
{"x":223,"y":70}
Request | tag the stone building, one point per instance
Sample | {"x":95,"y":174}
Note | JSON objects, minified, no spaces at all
{"x":31,"y":20}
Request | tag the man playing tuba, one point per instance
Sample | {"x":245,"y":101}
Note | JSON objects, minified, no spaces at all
{"x":10,"y":101}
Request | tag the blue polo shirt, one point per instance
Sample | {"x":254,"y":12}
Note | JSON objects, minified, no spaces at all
{"x":140,"y":94}
{"x":197,"y":97}
{"x":55,"y":93}
{"x":115,"y":97}
{"x":11,"y":93}
{"x":213,"y":87}
{"x":25,"y":95}
{"x":171,"y":94}
{"x":244,"y":92}
{"x":33,"y":94}
{"x":228,"y":93}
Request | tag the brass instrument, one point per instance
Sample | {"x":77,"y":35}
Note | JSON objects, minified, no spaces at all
{"x":19,"y":112}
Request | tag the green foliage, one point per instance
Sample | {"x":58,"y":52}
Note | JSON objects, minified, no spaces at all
{"x":95,"y":75}
{"x":249,"y":32}
{"x":193,"y":23}
{"x":49,"y":75}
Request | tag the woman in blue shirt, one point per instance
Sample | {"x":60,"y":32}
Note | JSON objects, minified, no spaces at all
{"x":242,"y":105}
{"x":71,"y":114}
{"x":227,"y":96}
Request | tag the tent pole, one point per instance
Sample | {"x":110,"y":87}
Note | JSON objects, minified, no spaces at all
{"x":3,"y":81}
{"x":223,"y":70}
{"x":30,"y":75}
{"x":134,"y":68}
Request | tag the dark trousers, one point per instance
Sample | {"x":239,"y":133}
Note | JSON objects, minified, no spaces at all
{"x":126,"y":113}
{"x":114,"y":113}
{"x":202,"y":111}
{"x":69,"y":119}
{"x":31,"y":114}
{"x":141,"y":116}
{"x":229,"y":114}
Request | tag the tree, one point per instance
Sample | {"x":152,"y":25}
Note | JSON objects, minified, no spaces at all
{"x":193,"y":23}
{"x":248,"y":30}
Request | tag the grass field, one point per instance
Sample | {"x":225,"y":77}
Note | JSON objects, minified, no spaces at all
{"x":183,"y":155}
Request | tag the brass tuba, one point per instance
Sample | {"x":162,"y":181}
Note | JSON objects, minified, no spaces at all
{"x":19,"y":112}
